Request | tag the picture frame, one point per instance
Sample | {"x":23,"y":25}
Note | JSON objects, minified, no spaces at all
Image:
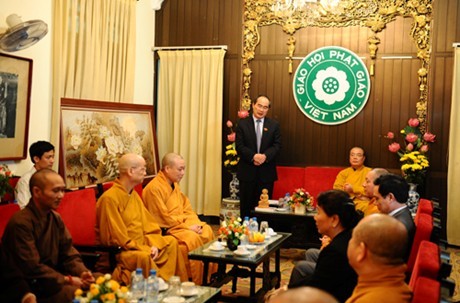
{"x":94,"y":134}
{"x":15,"y":89}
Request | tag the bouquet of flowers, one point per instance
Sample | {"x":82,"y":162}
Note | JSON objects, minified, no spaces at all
{"x":231,"y":155}
{"x":300,"y":197}
{"x":233,"y":229}
{"x":5,"y":175}
{"x":104,"y":290}
{"x":413,"y":158}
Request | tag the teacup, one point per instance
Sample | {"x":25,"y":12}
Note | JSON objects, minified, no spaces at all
{"x":217,"y":245}
{"x":187,"y":288}
{"x":241,"y":249}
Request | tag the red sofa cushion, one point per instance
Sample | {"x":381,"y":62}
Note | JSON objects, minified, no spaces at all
{"x":289,"y":179}
{"x":426,"y":290}
{"x":424,"y":227}
{"x":78,"y":211}
{"x":320,"y":178}
{"x":6,"y":211}
{"x":427,"y":263}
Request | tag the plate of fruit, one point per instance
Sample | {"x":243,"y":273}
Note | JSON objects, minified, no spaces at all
{"x":256,"y":238}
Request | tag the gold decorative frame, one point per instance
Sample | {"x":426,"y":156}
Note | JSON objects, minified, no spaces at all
{"x":15,"y":89}
{"x":374,"y":14}
{"x":94,"y":134}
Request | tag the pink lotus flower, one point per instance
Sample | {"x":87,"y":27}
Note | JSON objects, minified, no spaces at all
{"x":231,"y":137}
{"x":390,"y":135}
{"x":424,"y":148}
{"x":394,"y":147}
{"x":410,"y":147}
{"x":429,"y":137}
{"x":243,"y":114}
{"x":411,"y":137}
{"x":229,"y":124}
{"x":413,"y":122}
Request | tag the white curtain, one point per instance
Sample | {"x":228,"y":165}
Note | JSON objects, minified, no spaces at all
{"x":189,"y":121}
{"x":453,"y":171}
{"x":94,"y":52}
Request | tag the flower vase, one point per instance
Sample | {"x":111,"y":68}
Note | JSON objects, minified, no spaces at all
{"x":231,"y":244}
{"x":234,"y":187}
{"x":299,"y":209}
{"x":414,"y":197}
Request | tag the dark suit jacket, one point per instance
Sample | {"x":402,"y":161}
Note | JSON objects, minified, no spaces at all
{"x":246,"y":145}
{"x":333,"y":273}
{"x":405,"y":217}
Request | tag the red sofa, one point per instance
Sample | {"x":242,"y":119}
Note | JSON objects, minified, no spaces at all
{"x":314,"y":179}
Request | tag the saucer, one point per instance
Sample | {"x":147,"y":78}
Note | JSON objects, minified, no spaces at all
{"x":174,"y":300}
{"x":242,"y":253}
{"x":192,"y":293}
{"x":216,"y":248}
{"x":250,"y":246}
{"x":281,"y":210}
{"x":162,"y":285}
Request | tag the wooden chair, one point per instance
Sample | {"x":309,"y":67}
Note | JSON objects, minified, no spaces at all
{"x":78,"y":211}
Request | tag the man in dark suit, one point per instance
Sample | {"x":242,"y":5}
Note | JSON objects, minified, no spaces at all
{"x":391,"y":193}
{"x":258,"y":142}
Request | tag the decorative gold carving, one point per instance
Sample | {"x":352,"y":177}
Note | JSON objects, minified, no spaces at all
{"x":374,"y":14}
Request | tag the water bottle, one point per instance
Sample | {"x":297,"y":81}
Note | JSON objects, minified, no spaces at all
{"x":153,"y":286}
{"x":246,"y":221}
{"x":287,"y":197}
{"x":244,"y":239}
{"x":254,"y":226}
{"x":138,"y":285}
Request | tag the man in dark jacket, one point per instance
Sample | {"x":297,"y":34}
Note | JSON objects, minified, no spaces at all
{"x":258,"y":143}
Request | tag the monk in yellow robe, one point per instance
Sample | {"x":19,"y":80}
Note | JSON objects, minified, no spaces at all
{"x":123,"y":220}
{"x":351,"y":179}
{"x":173,"y":211}
{"x":368,"y":186}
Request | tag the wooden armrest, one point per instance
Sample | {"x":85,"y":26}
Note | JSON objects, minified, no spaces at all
{"x":95,"y":250}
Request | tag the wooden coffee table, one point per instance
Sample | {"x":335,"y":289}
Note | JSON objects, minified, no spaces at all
{"x":261,"y":254}
{"x":302,"y":226}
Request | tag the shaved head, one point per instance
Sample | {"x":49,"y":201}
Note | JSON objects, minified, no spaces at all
{"x":384,"y":236}
{"x":170,"y":159}
{"x":40,"y":178}
{"x":128,"y":161}
{"x":303,"y":295}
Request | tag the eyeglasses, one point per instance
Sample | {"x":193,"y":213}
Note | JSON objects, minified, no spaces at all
{"x":260,"y":106}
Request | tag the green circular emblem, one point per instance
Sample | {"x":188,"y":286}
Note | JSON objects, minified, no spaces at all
{"x":331,"y":85}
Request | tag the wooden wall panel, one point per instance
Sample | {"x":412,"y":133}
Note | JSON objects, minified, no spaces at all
{"x":393,"y":96}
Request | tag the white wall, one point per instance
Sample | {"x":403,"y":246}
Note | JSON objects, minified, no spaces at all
{"x":40,"y":53}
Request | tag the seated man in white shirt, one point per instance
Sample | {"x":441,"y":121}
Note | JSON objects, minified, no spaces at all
{"x":42,"y":156}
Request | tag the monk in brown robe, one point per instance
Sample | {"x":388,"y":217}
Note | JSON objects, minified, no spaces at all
{"x":40,"y":246}
{"x":173,"y":211}
{"x":123,"y":220}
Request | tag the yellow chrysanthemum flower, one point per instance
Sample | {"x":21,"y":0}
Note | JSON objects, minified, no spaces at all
{"x":100,"y":280}
{"x":94,"y":291}
{"x":78,"y":292}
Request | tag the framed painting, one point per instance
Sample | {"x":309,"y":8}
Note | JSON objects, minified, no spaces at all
{"x":94,"y":134}
{"x":15,"y":87}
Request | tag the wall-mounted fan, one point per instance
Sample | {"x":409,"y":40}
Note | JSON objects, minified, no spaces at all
{"x":20,"y":34}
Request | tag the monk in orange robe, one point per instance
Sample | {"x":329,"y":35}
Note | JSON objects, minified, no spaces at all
{"x":123,"y":220}
{"x":173,"y":211}
{"x":368,"y":186}
{"x":351,"y":179}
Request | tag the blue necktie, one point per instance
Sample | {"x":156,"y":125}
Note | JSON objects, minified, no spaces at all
{"x":258,"y":134}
